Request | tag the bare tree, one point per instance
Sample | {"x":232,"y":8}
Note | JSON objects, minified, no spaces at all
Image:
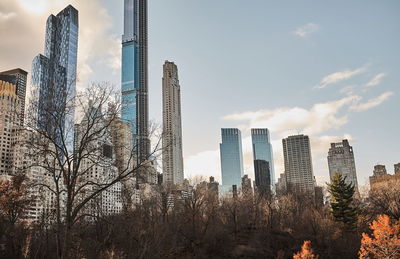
{"x":79,"y":159}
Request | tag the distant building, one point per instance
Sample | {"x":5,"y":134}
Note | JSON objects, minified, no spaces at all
{"x":213,"y":186}
{"x":380,"y":176}
{"x":17,"y":77}
{"x":281,"y":185}
{"x":172,"y":154}
{"x":10,"y":109}
{"x":231,"y":157}
{"x":298,"y":164}
{"x":341,"y":161}
{"x":397,"y":168}
{"x":262,"y":150}
{"x":262,"y":176}
{"x":247,"y":190}
{"x":98,"y":167}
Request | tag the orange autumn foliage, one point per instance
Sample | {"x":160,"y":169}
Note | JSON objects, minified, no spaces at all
{"x":384,"y":241}
{"x":306,"y":252}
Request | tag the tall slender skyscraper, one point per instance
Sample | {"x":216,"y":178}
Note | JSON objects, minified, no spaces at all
{"x":231,"y":157}
{"x":341,"y":161}
{"x":172,"y":126}
{"x":134,"y":81}
{"x":262,"y":150}
{"x":18,"y":77}
{"x":54,"y":74}
{"x":298,"y":164}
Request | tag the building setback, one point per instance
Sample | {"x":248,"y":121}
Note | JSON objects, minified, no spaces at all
{"x":231,"y":157}
{"x":262,"y":150}
{"x":172,"y":126}
{"x":54,"y":74}
{"x":17,"y":77}
{"x":134,"y":80}
{"x":341,"y":161}
{"x":298,"y":164}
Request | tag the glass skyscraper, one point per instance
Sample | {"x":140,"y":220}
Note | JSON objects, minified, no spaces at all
{"x":54,"y":74}
{"x":231,"y":157}
{"x":134,"y":78}
{"x":262,"y":150}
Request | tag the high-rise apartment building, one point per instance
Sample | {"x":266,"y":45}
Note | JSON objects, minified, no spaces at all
{"x":172,"y":126}
{"x":379,"y":170}
{"x":134,"y":80}
{"x":262,"y":150}
{"x":341,"y":161}
{"x":262,"y":176}
{"x":231,"y":157}
{"x":17,"y":77}
{"x":298,"y":164}
{"x":54,"y":74}
{"x":10,"y":109}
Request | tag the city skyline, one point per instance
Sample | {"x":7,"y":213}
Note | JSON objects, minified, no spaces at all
{"x":335,"y":103}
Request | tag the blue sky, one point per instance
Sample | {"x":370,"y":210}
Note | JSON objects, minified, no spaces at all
{"x":250,"y":64}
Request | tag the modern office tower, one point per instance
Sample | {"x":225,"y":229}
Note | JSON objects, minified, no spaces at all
{"x":134,"y":79}
{"x":341,"y":161}
{"x":17,"y":77}
{"x":262,"y":150}
{"x":262,"y":176}
{"x":10,"y":109}
{"x":172,"y":156}
{"x":54,"y":74}
{"x":231,"y":157}
{"x":397,"y":168}
{"x":298,"y":164}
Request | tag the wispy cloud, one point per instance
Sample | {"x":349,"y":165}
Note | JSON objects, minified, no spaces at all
{"x":371,"y":103}
{"x":376,"y":80}
{"x":340,"y":76}
{"x":306,"y":29}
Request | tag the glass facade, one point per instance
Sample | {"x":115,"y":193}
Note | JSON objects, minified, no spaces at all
{"x":54,"y":74}
{"x":231,"y":157}
{"x":134,"y":77}
{"x":262,"y":150}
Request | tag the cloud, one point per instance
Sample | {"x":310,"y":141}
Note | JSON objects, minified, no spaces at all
{"x":98,"y":48}
{"x":321,"y":117}
{"x":360,"y":107}
{"x":7,"y":16}
{"x":339,"y":76}
{"x":306,"y":29}
{"x":376,"y":80}
{"x":205,"y":163}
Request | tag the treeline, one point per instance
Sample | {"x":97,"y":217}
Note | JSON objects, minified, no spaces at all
{"x":200,"y":226}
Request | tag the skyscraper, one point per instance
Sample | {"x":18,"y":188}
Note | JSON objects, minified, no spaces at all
{"x":262,"y":150}
{"x":231,"y":157}
{"x":54,"y":74}
{"x":298,"y":164}
{"x":9,"y":122}
{"x":134,"y":80}
{"x":18,"y":77}
{"x":341,"y":161}
{"x":172,"y":126}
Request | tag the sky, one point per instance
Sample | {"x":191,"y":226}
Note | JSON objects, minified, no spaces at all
{"x":327,"y":69}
